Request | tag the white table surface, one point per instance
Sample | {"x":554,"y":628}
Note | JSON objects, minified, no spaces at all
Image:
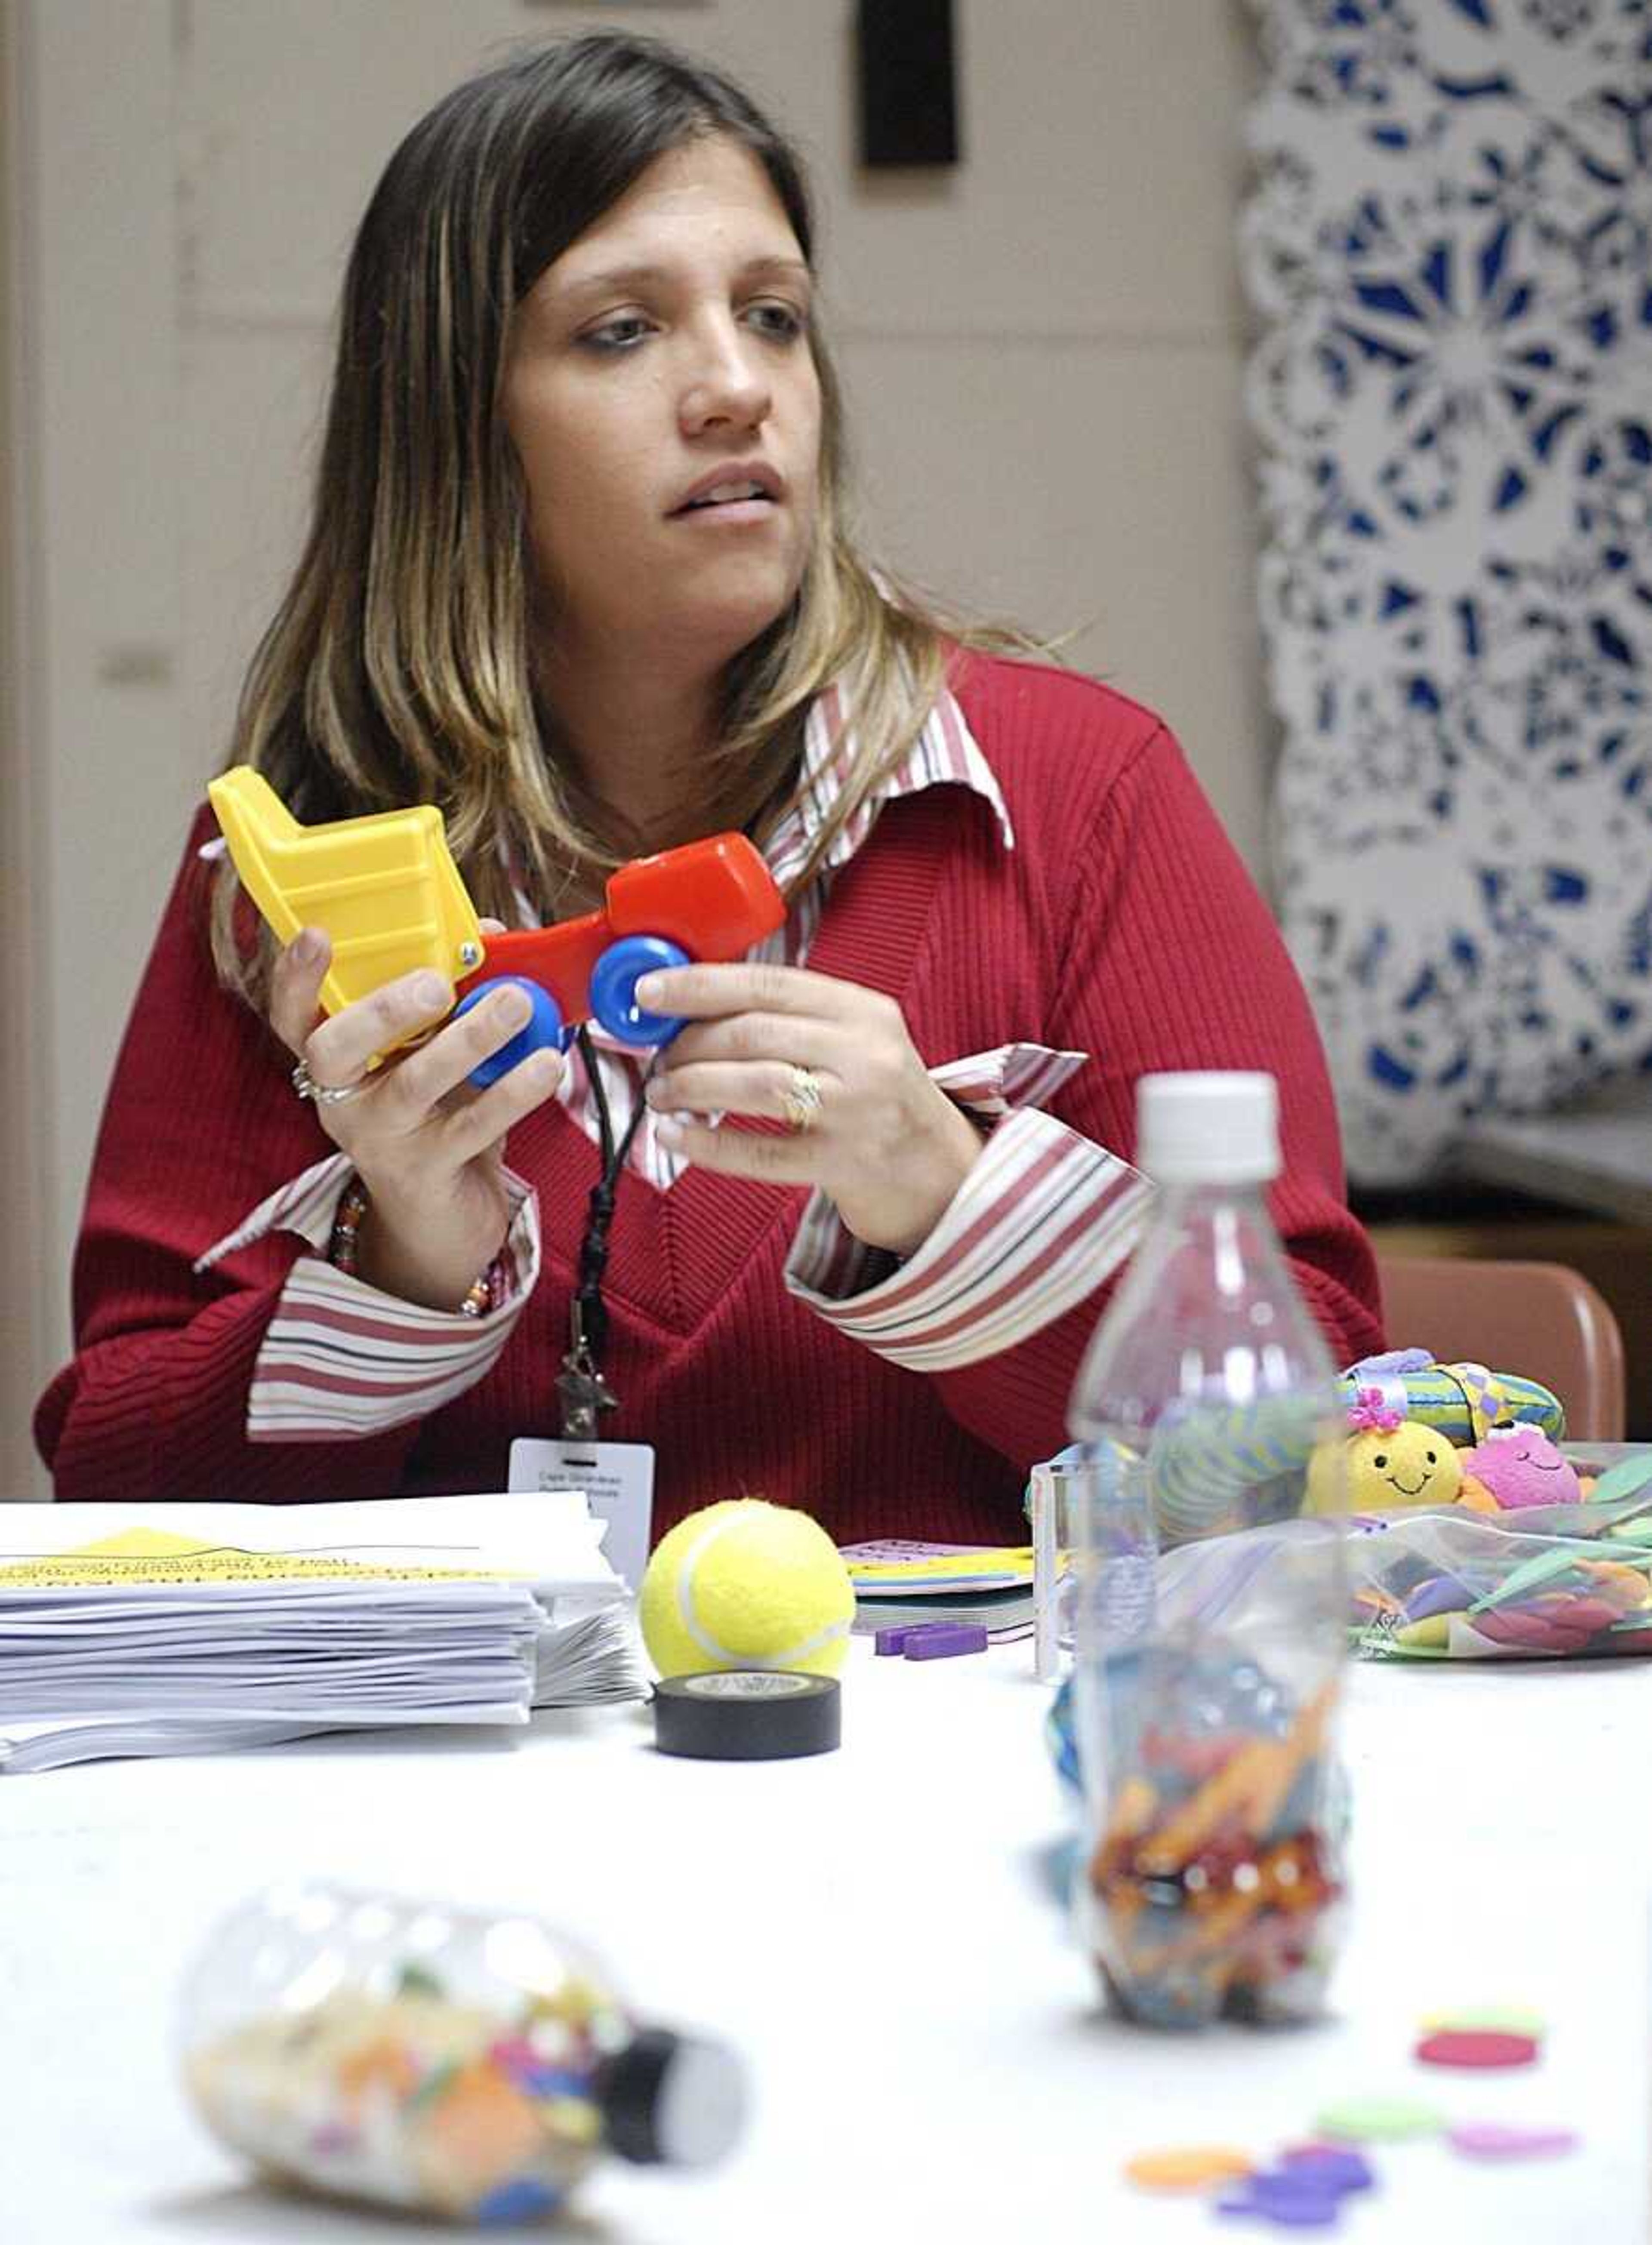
{"x":875,"y":1929}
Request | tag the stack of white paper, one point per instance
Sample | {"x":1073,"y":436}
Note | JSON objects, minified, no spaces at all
{"x":178,"y":1628}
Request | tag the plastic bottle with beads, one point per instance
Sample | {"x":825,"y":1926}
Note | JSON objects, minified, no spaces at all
{"x":470,"y":2065}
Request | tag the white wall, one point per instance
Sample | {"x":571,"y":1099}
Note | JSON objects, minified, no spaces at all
{"x":94,"y":559}
{"x":1043,"y":352}
{"x":20,"y":1086}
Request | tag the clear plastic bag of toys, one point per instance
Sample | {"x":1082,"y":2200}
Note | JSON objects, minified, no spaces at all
{"x":1449,"y":1584}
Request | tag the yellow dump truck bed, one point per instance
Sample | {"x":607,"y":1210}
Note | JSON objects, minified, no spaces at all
{"x":384,"y":887}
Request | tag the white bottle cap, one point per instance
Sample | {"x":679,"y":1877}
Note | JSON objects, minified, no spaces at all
{"x":1207,"y":1129}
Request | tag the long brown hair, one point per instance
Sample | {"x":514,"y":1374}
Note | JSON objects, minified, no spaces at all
{"x":398,"y":670}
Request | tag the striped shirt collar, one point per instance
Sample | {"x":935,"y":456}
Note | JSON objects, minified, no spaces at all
{"x":945,"y":752}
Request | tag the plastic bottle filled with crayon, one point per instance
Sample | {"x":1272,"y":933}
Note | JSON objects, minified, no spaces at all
{"x":1214,"y":1883}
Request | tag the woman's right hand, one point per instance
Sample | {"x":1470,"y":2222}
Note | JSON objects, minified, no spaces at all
{"x":429,"y":1149}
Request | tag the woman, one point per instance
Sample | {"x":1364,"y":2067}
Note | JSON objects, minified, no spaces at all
{"x":579,"y":572}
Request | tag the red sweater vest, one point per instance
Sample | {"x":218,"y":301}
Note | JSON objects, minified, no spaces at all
{"x":1122,"y":923}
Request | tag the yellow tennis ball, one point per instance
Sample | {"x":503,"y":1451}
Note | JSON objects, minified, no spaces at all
{"x":746,"y":1584}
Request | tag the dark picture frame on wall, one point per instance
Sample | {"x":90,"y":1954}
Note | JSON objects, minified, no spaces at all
{"x":906,"y":83}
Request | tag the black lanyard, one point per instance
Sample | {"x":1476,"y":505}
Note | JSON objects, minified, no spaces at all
{"x":581,"y":1385}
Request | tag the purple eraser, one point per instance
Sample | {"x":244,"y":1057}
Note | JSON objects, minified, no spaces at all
{"x":891,"y":1640}
{"x":1335,"y":2166}
{"x":940,"y":1640}
{"x":1496,"y":2140}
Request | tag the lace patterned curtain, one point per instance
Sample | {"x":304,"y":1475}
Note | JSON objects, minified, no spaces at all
{"x":1449,"y":251}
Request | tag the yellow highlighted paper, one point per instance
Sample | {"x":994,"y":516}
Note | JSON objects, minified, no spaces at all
{"x":148,"y":1555}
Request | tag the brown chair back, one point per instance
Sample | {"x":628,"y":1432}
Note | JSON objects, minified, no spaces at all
{"x":1541,"y":1319}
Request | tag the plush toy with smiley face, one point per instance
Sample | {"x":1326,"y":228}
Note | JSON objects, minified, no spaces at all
{"x":1386,"y":1464}
{"x":1521,"y":1466}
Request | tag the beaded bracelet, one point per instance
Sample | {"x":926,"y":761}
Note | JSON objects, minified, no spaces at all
{"x":341,"y":1249}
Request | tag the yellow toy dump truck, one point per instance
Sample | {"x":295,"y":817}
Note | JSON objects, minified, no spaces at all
{"x":386,"y":889}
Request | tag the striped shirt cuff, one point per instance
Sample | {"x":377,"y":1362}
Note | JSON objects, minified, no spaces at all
{"x":340,"y":1361}
{"x":1043,"y":1217}
{"x":997,"y":1083}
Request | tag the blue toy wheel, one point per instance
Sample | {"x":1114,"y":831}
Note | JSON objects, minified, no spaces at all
{"x":542,"y":1028}
{"x":614,"y":981}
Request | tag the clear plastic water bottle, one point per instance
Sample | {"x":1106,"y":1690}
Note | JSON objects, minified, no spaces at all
{"x":467,"y":2064}
{"x":1214,"y":1810}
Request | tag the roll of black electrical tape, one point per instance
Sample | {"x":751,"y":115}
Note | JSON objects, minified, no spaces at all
{"x":747,"y":1714}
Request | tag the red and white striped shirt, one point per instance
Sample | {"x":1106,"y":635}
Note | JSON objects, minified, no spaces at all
{"x":1044,"y":892}
{"x":1040,"y":1218}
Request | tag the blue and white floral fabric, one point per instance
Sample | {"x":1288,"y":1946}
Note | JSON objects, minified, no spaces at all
{"x":1450,"y":247}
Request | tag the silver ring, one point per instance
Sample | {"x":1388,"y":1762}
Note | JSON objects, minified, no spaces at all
{"x":800,"y":1101}
{"x":324,"y":1094}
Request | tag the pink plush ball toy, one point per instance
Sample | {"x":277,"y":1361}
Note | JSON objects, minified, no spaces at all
{"x":1521,"y":1467}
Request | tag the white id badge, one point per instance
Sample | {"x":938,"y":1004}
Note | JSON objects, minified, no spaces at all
{"x":618,"y":1482}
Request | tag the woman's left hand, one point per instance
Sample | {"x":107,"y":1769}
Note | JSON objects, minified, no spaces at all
{"x":833,"y":1063}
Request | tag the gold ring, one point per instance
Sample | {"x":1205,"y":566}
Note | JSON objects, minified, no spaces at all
{"x":800,"y":1101}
